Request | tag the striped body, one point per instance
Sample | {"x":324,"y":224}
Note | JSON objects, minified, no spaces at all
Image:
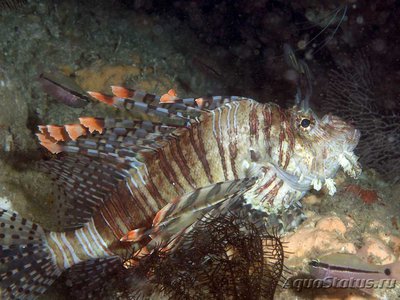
{"x":208,"y":152}
{"x":73,"y":247}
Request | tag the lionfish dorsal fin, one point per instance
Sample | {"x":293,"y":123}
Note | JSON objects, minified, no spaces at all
{"x":168,"y":105}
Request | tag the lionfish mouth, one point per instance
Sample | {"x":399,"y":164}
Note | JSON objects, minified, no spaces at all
{"x":347,"y":160}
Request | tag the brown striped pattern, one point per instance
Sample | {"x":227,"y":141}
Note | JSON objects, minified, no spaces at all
{"x":205,"y":153}
{"x":209,"y":151}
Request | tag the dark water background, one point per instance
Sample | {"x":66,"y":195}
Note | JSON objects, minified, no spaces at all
{"x":199,"y":48}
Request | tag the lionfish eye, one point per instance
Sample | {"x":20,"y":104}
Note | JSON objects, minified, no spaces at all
{"x":305,"y":123}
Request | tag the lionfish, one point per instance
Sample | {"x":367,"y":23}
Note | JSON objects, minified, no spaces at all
{"x":146,"y":182}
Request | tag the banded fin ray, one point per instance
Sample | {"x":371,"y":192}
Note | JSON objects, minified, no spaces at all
{"x":177,"y":216}
{"x":131,"y":99}
{"x":108,"y":138}
{"x":83,"y":185}
{"x":138,"y":101}
{"x":27,"y":264}
{"x":105,"y":153}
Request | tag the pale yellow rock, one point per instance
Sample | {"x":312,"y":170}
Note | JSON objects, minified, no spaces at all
{"x":311,"y":199}
{"x":327,"y":297}
{"x":376,"y":251}
{"x":376,"y":225}
{"x":340,"y":178}
{"x":159,"y":86}
{"x":357,"y":297}
{"x":317,"y":235}
{"x":101,"y":77}
{"x":350,"y":223}
{"x":331,"y":224}
{"x":394,"y":243}
{"x":136,"y":59}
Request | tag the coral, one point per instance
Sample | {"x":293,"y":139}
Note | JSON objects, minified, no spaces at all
{"x":357,"y":94}
{"x":223,"y":257}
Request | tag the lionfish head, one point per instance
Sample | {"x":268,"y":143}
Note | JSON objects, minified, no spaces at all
{"x":322,"y":146}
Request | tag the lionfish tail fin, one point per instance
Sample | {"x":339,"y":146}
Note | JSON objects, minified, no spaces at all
{"x":28,"y":265}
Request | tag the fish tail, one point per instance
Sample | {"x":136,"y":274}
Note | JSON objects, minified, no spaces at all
{"x":27,"y":264}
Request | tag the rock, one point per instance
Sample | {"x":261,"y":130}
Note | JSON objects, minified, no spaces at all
{"x":311,"y":199}
{"x":376,"y":251}
{"x":331,"y":224}
{"x":100,"y":77}
{"x":317,"y":235}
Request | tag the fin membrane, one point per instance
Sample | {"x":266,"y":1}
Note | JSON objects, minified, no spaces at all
{"x":108,"y":153}
{"x":27,"y":267}
{"x":83,"y":184}
{"x":86,"y":279}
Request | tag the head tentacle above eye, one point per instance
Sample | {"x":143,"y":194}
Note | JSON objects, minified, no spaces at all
{"x":322,"y":147}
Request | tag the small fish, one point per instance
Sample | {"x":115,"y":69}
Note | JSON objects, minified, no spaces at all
{"x":64,"y":89}
{"x":145,"y":183}
{"x":358,"y":273}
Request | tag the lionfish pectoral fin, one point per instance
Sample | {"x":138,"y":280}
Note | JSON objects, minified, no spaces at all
{"x":86,"y":279}
{"x":180,"y":214}
{"x":82,"y":185}
{"x":26,"y":260}
{"x":134,"y":235}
